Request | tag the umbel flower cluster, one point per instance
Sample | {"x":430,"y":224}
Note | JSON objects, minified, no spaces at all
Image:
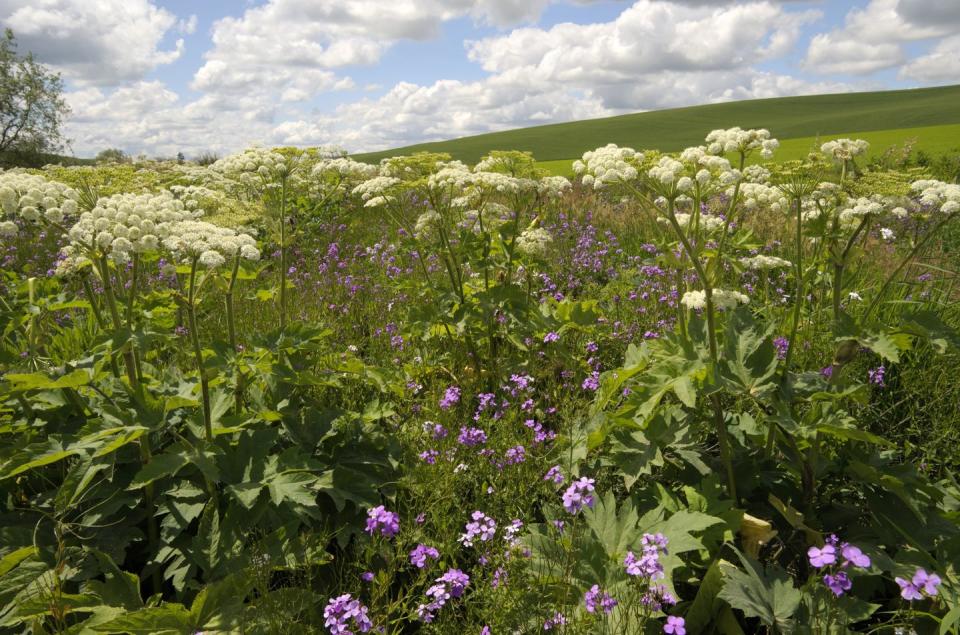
{"x":606,"y":165}
{"x":33,"y":197}
{"x":126,"y":224}
{"x":842,"y":150}
{"x":744,"y":141}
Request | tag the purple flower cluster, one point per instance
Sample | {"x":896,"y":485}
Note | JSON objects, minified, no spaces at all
{"x":470,"y":436}
{"x":341,"y":610}
{"x":836,"y":578}
{"x":920,"y":585}
{"x":420,"y":554}
{"x":875,"y":375}
{"x":579,"y":495}
{"x":451,"y":397}
{"x":514,"y":455}
{"x":450,"y":585}
{"x":675,"y":625}
{"x":594,"y":597}
{"x":648,"y":564}
{"x":558,"y":619}
{"x":481,"y":526}
{"x":385,"y":522}
{"x":555,"y":474}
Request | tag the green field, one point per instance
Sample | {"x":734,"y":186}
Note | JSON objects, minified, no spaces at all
{"x":799,"y":119}
{"x":931,"y":139}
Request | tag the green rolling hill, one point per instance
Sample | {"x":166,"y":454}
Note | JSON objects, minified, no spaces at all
{"x":789,"y":118}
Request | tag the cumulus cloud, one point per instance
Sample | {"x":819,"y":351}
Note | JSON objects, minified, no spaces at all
{"x":101,"y":43}
{"x":259,"y":80}
{"x":942,"y":64}
{"x":872,"y":37}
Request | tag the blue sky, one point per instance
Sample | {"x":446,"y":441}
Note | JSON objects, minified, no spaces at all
{"x":162,"y":76}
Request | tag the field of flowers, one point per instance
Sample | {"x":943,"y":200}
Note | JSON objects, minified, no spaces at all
{"x":294,"y":393}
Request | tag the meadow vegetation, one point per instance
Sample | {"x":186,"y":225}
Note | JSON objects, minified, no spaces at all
{"x":292,"y":392}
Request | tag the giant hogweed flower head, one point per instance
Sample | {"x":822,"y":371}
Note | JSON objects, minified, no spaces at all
{"x":943,"y":196}
{"x":121,"y":225}
{"x":608,"y":165}
{"x":534,"y":242}
{"x":743,"y":141}
{"x":376,"y":192}
{"x":859,"y":209}
{"x":33,"y":197}
{"x":210,"y":244}
{"x":722,"y":299}
{"x":336,"y":174}
{"x":842,"y":150}
{"x":757,"y":196}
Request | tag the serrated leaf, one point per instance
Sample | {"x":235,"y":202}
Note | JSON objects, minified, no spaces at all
{"x":169,"y":619}
{"x":21,"y":382}
{"x":160,"y":466}
{"x":768,"y":595}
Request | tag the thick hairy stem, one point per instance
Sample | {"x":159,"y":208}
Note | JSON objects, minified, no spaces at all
{"x":232,"y":334}
{"x":838,"y":267}
{"x":798,"y":301}
{"x":111,"y":301}
{"x":198,"y":352}
{"x":283,"y":254}
{"x":720,"y":425}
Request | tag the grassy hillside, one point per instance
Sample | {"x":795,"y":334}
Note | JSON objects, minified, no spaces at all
{"x":933,"y":140}
{"x":787,"y":117}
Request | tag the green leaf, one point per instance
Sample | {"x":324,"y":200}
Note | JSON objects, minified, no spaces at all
{"x":12,"y":559}
{"x":21,"y":382}
{"x":169,"y":619}
{"x":706,"y":605}
{"x":768,"y":595}
{"x":160,"y":466}
{"x":294,"y":487}
{"x":218,"y":606}
{"x":750,"y":358}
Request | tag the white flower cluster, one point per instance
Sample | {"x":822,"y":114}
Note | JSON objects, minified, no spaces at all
{"x":722,"y":299}
{"x":452,"y":174}
{"x":606,"y":165}
{"x":373,"y":191}
{"x":210,"y":244}
{"x":668,"y":171}
{"x":252,"y":162}
{"x":33,"y":197}
{"x":761,"y":196}
{"x":533,"y":242}
{"x":844,"y":149}
{"x":344,"y":169}
{"x":739,"y":140}
{"x":124,"y":224}
{"x":553,"y":186}
{"x":756,"y":174}
{"x":503,"y":183}
{"x":945,"y":196}
{"x":427,"y":224}
{"x":858,"y":209}
{"x":708,"y":222}
{"x":765,"y":263}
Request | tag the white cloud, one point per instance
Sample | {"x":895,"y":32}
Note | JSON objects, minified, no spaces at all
{"x":872,"y":37}
{"x":102,"y":43}
{"x":942,"y":64}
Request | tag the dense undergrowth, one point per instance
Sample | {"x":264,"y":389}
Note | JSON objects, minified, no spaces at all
{"x":677,"y":395}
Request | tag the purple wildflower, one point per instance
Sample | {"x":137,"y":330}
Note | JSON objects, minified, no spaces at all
{"x":591,"y":597}
{"x":386,"y":522}
{"x":578,"y":495}
{"x":340,"y":610}
{"x":482,"y":526}
{"x":420,"y":554}
{"x":675,"y":625}
{"x":822,"y":557}
{"x":470,"y":436}
{"x":450,"y":398}
{"x":555,"y":474}
{"x":552,"y":336}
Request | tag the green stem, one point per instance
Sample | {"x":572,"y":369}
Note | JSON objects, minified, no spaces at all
{"x":198,"y":352}
{"x":798,"y":302}
{"x":232,"y":334}
{"x":721,"y":429}
{"x":283,"y":254}
{"x":111,"y":300}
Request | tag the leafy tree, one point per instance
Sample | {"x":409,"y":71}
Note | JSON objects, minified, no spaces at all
{"x":113,"y":155}
{"x":32,"y":107}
